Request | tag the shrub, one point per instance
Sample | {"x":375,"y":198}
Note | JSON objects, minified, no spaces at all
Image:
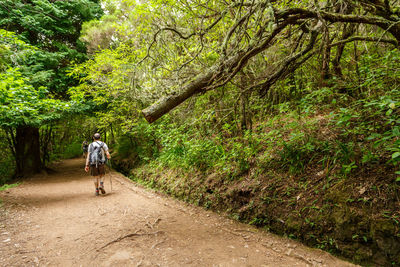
{"x":72,"y":150}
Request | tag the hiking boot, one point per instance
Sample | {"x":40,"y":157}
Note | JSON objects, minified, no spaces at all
{"x":102,"y":189}
{"x":96,"y":193}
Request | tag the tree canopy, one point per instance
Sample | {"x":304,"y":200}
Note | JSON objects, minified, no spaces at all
{"x":39,"y":42}
{"x":175,"y":49}
{"x":54,"y":28}
{"x":22,"y":103}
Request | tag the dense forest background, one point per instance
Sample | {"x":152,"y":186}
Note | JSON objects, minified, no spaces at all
{"x":282,"y":114}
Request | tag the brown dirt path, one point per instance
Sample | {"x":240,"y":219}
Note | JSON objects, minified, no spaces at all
{"x":55,"y":220}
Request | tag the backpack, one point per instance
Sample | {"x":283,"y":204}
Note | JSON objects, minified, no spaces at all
{"x":96,"y":157}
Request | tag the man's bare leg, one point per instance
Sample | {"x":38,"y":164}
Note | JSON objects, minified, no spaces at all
{"x":96,"y":184}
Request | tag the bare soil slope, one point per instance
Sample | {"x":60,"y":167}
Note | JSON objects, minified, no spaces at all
{"x":55,"y":220}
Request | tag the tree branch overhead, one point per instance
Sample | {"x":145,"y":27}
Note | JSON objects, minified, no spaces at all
{"x":260,"y":38}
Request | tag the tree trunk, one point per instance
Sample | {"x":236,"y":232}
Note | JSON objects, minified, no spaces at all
{"x":326,"y":57}
{"x":45,"y":141}
{"x":164,"y":105}
{"x":27,"y":148}
{"x":112,"y":137}
{"x":347,"y":32}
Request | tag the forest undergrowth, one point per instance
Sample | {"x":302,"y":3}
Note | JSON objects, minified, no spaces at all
{"x":321,"y":168}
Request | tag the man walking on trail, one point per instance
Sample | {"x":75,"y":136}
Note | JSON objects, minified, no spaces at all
{"x":85,"y":146}
{"x":96,"y":159}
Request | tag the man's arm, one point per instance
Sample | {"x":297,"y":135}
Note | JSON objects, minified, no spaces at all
{"x":87,"y":160}
{"x":106,"y":150}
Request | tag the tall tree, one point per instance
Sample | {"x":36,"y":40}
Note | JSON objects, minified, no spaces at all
{"x":53,"y":29}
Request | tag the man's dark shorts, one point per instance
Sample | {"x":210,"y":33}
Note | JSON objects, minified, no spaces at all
{"x":96,"y":171}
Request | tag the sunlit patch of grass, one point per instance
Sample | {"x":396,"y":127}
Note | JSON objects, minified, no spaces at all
{"x":8,"y":186}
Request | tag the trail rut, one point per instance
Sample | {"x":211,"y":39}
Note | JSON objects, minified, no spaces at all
{"x":55,"y":220}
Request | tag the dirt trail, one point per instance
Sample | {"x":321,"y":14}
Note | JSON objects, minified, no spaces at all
{"x":55,"y":220}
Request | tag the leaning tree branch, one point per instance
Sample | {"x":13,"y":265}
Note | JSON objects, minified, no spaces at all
{"x":332,"y":17}
{"x":165,"y":104}
{"x":365,"y":38}
{"x":388,"y":25}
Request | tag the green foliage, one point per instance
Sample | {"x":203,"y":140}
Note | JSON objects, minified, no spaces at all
{"x":72,"y":150}
{"x":8,"y":186}
{"x":53,"y":28}
{"x":12,"y":49}
{"x":317,"y":99}
{"x":139,"y":144}
{"x":187,"y":151}
{"x":7,"y":164}
{"x":65,"y":138}
{"x":376,"y":121}
{"x":290,"y":141}
{"x":125,"y":147}
{"x":38,"y":42}
{"x":21,"y":104}
{"x":295,"y":157}
{"x":289,"y":128}
{"x":7,"y":168}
